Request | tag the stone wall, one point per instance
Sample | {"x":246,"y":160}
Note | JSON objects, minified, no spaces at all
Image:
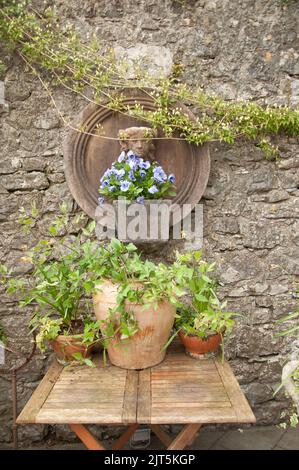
{"x":240,"y":49}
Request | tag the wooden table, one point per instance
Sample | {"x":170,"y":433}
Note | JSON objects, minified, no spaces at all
{"x":180,"y":390}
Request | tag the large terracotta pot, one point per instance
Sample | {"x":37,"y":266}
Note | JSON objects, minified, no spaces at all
{"x":196,"y":346}
{"x":65,"y":346}
{"x":145,"y":348}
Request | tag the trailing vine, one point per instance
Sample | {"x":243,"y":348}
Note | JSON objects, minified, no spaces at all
{"x":58,"y":57}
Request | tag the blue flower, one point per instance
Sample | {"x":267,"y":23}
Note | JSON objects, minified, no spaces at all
{"x":131,"y":154}
{"x":171,"y":178}
{"x":108,"y":173}
{"x":104,"y":184}
{"x":159,"y":174}
{"x":101,"y":200}
{"x":121,"y":157}
{"x":145,"y":165}
{"x":131,"y":175}
{"x":140,"y":200}
{"x":125,"y":185}
{"x":153,"y":189}
{"x":142,"y":174}
{"x":111,"y":188}
{"x":120,"y":173}
{"x":133,"y":164}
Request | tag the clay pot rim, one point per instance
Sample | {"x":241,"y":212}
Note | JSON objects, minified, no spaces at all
{"x":99,"y":291}
{"x":204,"y":338}
{"x":69,"y":339}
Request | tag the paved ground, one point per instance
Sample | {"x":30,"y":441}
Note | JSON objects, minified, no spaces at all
{"x":254,"y":438}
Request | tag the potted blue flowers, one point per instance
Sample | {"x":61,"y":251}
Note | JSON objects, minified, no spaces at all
{"x":135,"y":179}
{"x":135,"y":184}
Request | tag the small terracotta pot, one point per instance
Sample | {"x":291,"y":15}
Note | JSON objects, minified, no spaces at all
{"x":65,"y":346}
{"x":196,"y":346}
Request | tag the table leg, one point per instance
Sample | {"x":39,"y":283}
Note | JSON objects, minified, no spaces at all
{"x":123,"y":439}
{"x":86,"y":437}
{"x":162,"y":435}
{"x":185,"y":437}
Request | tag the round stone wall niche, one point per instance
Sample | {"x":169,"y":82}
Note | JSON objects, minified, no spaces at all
{"x":88,"y":156}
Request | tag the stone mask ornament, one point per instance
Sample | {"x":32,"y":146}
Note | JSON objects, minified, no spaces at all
{"x":139,"y":140}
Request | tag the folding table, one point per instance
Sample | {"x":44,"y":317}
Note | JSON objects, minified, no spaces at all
{"x":180,"y":390}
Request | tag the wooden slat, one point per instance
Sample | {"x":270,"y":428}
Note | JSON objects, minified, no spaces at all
{"x":182,"y":368}
{"x":185,"y":383}
{"x":86,"y":398}
{"x":84,"y":416}
{"x":182,"y":359}
{"x":92,"y":377}
{"x":129,"y":414}
{"x":190,"y":398}
{"x":173,"y":388}
{"x":174,"y":393}
{"x":195,"y":406}
{"x":144,"y":397}
{"x":243,"y":411}
{"x":193,"y":415}
{"x":92,"y":372}
{"x":65,"y":405}
{"x":169,"y":375}
{"x":31,"y":410}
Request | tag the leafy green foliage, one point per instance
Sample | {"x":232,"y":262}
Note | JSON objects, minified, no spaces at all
{"x":65,"y":273}
{"x":57,"y":284}
{"x":205,"y":315}
{"x":83,"y":360}
{"x":291,"y":330}
{"x":56,"y":52}
{"x":139,"y":281}
{"x":48,"y":330}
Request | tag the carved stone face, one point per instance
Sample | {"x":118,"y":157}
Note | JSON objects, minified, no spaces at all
{"x":139,"y":140}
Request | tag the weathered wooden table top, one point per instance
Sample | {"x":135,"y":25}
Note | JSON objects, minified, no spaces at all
{"x":179,"y":390}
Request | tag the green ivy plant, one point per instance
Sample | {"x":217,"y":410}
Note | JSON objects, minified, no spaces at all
{"x":57,"y":56}
{"x":203,"y":315}
{"x":66,"y":272}
{"x":55,"y":287}
{"x":121,"y":264}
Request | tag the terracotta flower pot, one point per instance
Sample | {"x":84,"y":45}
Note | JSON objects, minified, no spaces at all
{"x":196,"y":346}
{"x":65,"y":346}
{"x":145,"y":348}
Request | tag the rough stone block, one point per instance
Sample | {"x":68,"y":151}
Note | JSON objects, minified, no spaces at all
{"x":25,"y":181}
{"x":156,"y":60}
